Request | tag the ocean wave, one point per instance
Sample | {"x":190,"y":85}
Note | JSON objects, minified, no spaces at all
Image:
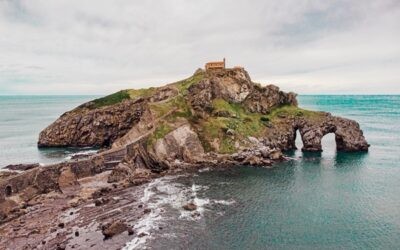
{"x":206,"y":169}
{"x":224,"y":202}
{"x":163,"y":194}
{"x":83,"y":152}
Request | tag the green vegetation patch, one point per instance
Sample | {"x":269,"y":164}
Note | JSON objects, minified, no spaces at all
{"x":178,"y":103}
{"x":160,"y":132}
{"x":287,"y":111}
{"x":111,"y":99}
{"x":242,"y":123}
{"x":121,"y":95}
{"x":184,"y":85}
{"x":144,"y":93}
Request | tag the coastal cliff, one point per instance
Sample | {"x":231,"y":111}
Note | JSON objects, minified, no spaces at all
{"x":224,"y":108}
{"x":215,"y":118}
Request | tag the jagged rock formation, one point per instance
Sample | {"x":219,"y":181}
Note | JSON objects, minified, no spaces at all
{"x":100,"y":127}
{"x":235,"y":86}
{"x":181,"y":144}
{"x":348,"y":135}
{"x":222,"y":108}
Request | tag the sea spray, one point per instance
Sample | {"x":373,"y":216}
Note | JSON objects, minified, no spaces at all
{"x":165,"y":197}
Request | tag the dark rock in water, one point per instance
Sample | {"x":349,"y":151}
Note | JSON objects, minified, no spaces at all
{"x":22,"y":167}
{"x":61,"y":225}
{"x":61,"y":246}
{"x":142,"y":235}
{"x":147,"y":210}
{"x":190,"y":206}
{"x":130,"y":231}
{"x":113,"y":228}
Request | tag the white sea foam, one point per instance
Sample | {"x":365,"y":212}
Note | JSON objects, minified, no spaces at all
{"x":224,"y":202}
{"x":204,"y":169}
{"x":159,"y":194}
{"x":83,"y":152}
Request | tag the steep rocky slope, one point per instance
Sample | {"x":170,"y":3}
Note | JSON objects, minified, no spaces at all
{"x":225,"y":109}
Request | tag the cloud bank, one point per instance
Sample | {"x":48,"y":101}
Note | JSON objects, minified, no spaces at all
{"x":96,"y":47}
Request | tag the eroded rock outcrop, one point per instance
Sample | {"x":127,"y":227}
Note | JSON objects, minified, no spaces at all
{"x":217,"y":108}
{"x":264,"y":99}
{"x":348,"y":135}
{"x":181,"y":144}
{"x":92,"y":127}
{"x":235,"y":86}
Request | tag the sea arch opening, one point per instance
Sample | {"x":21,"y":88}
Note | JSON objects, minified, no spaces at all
{"x":298,"y":141}
{"x":329,"y":144}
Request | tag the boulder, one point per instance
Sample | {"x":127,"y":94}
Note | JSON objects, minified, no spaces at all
{"x":113,"y":228}
{"x":264,"y":99}
{"x":67,"y":180}
{"x":189,"y":206}
{"x":22,"y":167}
{"x":120,"y":173}
{"x":182,"y":143}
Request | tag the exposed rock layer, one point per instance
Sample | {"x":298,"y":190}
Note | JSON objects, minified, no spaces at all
{"x":95,"y":128}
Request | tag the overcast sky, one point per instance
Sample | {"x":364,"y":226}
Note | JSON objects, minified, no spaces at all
{"x":97,"y":47}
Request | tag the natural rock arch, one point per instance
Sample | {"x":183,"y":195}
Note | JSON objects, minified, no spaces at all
{"x":348,"y":135}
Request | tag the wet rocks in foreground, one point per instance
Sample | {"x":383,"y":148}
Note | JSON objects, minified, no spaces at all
{"x":113,"y":228}
{"x":190,"y":206}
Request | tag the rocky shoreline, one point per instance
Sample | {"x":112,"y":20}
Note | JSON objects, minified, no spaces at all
{"x":98,"y":212}
{"x":212,"y":119}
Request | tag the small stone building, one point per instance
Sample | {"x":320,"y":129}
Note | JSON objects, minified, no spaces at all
{"x":215,"y":65}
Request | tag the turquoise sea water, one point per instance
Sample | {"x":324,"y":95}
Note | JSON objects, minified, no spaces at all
{"x":21,"y":120}
{"x":315,"y":201}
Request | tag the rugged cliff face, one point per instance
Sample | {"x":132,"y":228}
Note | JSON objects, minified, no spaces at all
{"x":99,"y":127}
{"x":220,"y":111}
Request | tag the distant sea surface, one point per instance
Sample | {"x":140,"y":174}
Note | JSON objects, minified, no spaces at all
{"x":21,"y":120}
{"x":330,"y":200}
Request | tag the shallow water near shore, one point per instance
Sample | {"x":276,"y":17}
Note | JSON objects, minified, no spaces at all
{"x":329,"y":200}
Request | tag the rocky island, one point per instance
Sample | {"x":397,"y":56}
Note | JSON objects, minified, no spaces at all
{"x":215,"y":118}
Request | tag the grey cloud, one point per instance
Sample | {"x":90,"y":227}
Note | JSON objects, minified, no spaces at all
{"x":101,"y":46}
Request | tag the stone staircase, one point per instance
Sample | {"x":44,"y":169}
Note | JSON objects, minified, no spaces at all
{"x":114,"y":156}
